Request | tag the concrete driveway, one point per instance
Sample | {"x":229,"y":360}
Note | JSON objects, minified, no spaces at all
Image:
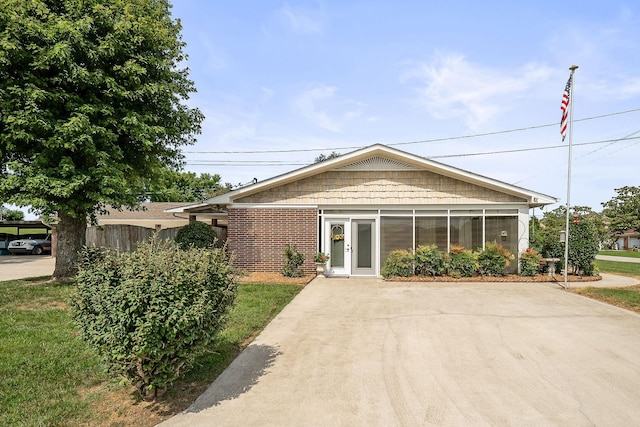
{"x":353,"y":352}
{"x":14,"y":267}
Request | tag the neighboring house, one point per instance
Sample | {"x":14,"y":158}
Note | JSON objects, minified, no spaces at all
{"x":628,"y":240}
{"x":360,"y":206}
{"x":155,"y":215}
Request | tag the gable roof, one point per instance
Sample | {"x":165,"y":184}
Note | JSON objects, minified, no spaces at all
{"x":382,"y":157}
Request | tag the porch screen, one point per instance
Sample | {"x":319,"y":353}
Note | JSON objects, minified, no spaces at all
{"x":503,"y":230}
{"x":395,"y":233}
{"x":466,"y":231}
{"x":432,"y":231}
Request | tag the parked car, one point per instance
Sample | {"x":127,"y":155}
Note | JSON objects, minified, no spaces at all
{"x":30,"y":245}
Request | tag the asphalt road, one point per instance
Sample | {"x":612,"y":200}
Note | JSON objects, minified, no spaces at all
{"x":352,"y":352}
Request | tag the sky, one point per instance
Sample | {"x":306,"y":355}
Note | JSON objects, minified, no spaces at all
{"x":475,"y":85}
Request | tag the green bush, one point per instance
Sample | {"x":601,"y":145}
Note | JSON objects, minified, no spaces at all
{"x":529,"y":262}
{"x":196,"y":234}
{"x":293,"y":261}
{"x":399,"y":263}
{"x":494,"y":260}
{"x":461,"y":262}
{"x":152,"y":312}
{"x":429,"y":260}
{"x":583,"y":247}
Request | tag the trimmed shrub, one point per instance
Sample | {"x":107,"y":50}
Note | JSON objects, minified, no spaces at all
{"x":529,"y":262}
{"x":150,"y":313}
{"x":494,"y":260}
{"x":461,"y":262}
{"x":399,"y":263}
{"x":429,"y":260}
{"x":196,"y":234}
{"x":293,"y":261}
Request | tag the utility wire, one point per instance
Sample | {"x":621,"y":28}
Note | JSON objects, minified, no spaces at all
{"x":444,"y":156}
{"x":452,"y":138}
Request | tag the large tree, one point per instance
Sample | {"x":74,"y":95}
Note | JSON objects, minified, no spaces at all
{"x":92,"y":105}
{"x":623,"y":210}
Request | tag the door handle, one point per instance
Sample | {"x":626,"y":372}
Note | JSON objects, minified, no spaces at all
{"x":347,"y":248}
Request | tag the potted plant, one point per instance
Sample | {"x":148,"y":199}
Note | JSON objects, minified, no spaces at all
{"x":321,"y":260}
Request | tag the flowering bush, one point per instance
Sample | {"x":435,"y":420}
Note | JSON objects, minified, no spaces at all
{"x":529,"y":262}
{"x":494,"y":260}
{"x":321,"y":257}
{"x":461,"y":262}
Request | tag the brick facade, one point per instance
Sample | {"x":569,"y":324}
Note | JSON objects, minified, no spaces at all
{"x":259,"y":236}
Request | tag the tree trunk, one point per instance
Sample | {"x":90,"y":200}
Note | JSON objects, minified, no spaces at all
{"x":71,"y":238}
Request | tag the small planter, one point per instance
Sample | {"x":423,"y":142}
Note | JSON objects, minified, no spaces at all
{"x":320,"y":268}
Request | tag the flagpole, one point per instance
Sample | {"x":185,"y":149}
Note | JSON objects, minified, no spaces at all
{"x":566,"y":233}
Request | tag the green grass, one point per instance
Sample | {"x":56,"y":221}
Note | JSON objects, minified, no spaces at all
{"x":628,"y":298}
{"x":43,"y":365}
{"x":615,"y":267}
{"x":46,"y":370}
{"x":626,"y":254}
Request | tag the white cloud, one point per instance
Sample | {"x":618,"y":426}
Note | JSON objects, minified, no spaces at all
{"x":304,"y":21}
{"x":450,"y":86}
{"x":322,"y":106}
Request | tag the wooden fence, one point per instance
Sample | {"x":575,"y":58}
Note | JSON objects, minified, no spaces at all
{"x":125,"y":238}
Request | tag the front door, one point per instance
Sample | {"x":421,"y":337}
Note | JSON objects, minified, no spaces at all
{"x":351,"y":247}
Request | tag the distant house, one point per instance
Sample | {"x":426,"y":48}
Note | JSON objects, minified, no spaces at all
{"x":157,"y":215}
{"x":360,"y":206}
{"x":628,"y":240}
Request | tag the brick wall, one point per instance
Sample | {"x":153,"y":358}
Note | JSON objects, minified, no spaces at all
{"x":259,"y":236}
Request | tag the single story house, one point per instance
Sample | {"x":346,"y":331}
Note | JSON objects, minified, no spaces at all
{"x":360,"y":206}
{"x":628,"y":240}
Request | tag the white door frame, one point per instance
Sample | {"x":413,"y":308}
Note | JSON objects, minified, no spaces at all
{"x":342,"y":264}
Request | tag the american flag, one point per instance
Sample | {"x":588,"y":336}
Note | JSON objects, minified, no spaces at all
{"x":564,"y":106}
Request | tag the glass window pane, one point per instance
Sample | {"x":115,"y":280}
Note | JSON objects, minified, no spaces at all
{"x":337,"y":246}
{"x":432,"y":231}
{"x":364,"y":245}
{"x":395,"y":233}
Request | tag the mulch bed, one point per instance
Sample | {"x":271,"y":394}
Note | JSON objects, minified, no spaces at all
{"x":277,"y":278}
{"x":509,"y":278}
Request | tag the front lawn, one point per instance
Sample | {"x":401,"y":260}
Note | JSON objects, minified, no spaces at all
{"x":615,"y":267}
{"x":628,"y":298}
{"x":49,"y":376}
{"x":626,"y":254}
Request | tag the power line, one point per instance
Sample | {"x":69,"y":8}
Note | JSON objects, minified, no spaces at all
{"x":201,"y":162}
{"x":451,"y":138}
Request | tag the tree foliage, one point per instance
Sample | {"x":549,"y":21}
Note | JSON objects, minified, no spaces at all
{"x":174,"y":186}
{"x":196,"y":234}
{"x":585,"y":237}
{"x":91,"y":106}
{"x":323,"y":157}
{"x":11,"y":214}
{"x":623,"y":210}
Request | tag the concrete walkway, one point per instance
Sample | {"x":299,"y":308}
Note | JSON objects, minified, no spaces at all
{"x":351,"y":352}
{"x":617,"y":258}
